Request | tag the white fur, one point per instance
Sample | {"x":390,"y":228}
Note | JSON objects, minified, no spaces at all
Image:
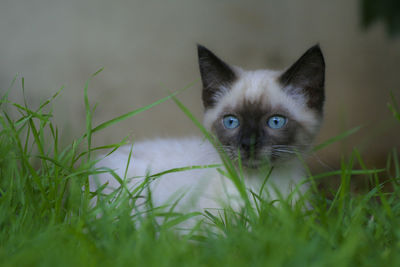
{"x":201,"y":188}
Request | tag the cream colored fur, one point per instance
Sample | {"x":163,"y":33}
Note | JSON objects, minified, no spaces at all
{"x":201,"y":188}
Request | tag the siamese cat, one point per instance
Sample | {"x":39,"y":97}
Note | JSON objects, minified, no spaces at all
{"x":262,"y":120}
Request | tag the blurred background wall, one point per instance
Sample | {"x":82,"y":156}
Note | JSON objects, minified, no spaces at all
{"x":148,"y":49}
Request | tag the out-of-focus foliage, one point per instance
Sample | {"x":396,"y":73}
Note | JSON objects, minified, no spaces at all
{"x":386,"y":10}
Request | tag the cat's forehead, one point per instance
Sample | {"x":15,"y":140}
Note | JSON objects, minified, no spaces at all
{"x":254,"y":86}
{"x":261,"y":90}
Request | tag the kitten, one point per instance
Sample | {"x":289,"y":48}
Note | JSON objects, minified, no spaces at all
{"x":260,"y":119}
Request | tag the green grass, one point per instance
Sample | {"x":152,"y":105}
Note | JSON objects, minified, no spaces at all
{"x":46,"y":218}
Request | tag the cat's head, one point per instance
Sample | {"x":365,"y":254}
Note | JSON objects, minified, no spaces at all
{"x":263,"y":116}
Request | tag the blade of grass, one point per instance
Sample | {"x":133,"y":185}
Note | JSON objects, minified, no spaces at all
{"x":114,"y":147}
{"x":5,"y":96}
{"x":382,"y":197}
{"x":24,"y":157}
{"x":352,"y":172}
{"x":88,"y":119}
{"x":48,"y":101}
{"x":179,"y":219}
{"x":137,"y":111}
{"x":393,"y":106}
{"x":336,"y":138}
{"x":89,"y":113}
{"x":129,"y":114}
{"x":194,"y":167}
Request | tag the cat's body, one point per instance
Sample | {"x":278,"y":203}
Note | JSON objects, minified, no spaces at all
{"x":260,"y":119}
{"x":198,"y":188}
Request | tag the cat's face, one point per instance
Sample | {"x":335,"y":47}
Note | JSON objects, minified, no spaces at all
{"x":263,"y":116}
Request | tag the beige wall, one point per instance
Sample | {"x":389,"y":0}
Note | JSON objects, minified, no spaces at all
{"x":148,"y":49}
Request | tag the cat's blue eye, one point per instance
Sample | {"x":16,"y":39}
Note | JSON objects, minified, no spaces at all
{"x":230,"y":122}
{"x":276,"y":122}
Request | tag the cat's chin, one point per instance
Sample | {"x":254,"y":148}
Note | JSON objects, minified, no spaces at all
{"x":255,"y":164}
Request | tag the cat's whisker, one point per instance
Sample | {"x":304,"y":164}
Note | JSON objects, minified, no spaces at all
{"x":319,"y":160}
{"x":303,"y":145}
{"x":295,"y":149}
{"x":289,"y":150}
{"x":285,"y":151}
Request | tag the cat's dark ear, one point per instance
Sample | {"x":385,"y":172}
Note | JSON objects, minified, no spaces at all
{"x":307,"y":76}
{"x":216,"y":76}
